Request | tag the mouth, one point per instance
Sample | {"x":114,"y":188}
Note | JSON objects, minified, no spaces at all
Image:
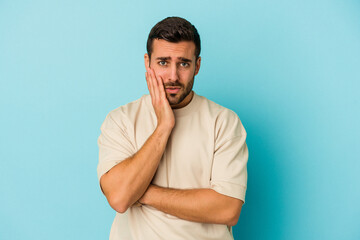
{"x":172,"y":90}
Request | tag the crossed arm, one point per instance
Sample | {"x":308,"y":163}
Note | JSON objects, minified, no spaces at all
{"x":130,"y":180}
{"x":197,"y":205}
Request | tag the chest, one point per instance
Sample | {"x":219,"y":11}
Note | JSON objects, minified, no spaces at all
{"x":187,"y":160}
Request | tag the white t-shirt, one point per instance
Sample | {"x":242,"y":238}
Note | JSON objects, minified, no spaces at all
{"x":206,"y":149}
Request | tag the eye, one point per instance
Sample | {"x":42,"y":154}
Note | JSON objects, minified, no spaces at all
{"x":184,"y":64}
{"x":162,"y":63}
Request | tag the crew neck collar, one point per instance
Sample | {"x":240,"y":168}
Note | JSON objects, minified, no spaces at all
{"x":179,"y":112}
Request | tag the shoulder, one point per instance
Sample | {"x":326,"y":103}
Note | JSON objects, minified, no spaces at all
{"x":227,"y":122}
{"x":127,"y":113}
{"x":217,"y":111}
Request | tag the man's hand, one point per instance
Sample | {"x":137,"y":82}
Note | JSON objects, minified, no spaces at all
{"x":163,"y":111}
{"x":126,"y":182}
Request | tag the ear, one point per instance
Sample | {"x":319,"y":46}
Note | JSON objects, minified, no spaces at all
{"x":197,"y":65}
{"x":146,"y":61}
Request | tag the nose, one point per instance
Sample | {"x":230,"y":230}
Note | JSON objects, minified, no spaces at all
{"x":173,"y":73}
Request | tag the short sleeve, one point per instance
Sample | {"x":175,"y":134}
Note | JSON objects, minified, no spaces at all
{"x":114,"y":144}
{"x":229,"y":171}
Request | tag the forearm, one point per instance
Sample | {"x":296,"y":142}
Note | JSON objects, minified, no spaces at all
{"x":197,"y":205}
{"x":126,"y":182}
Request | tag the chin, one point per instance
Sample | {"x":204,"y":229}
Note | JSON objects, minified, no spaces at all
{"x":173,"y":100}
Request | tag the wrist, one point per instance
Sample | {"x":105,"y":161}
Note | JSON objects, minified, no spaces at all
{"x":164,"y":129}
{"x":146,"y":198}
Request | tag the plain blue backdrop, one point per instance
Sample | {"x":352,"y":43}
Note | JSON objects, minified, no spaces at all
{"x":289,"y":69}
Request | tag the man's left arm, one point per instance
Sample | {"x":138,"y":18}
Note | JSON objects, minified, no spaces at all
{"x":220,"y":203}
{"x":197,"y":205}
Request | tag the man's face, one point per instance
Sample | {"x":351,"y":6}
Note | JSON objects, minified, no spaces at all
{"x":176,"y":64}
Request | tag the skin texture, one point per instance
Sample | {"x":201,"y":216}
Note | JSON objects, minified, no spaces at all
{"x":197,"y":205}
{"x":176,"y":65}
{"x":170,"y":76}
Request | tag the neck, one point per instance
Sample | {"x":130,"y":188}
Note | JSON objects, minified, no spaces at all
{"x":184,"y":102}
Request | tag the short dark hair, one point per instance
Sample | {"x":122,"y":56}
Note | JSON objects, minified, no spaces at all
{"x":174,"y":29}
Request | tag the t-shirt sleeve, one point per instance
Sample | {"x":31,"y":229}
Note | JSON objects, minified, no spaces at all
{"x":114,"y":143}
{"x":229,"y":171}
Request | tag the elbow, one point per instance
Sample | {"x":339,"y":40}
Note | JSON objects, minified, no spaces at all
{"x":232,"y":221}
{"x":232,"y":217}
{"x":119,"y":204}
{"x":117,"y":198}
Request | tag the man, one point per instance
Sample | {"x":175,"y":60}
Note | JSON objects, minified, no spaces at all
{"x":173,"y":164}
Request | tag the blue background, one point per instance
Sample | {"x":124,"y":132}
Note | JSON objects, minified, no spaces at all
{"x":289,"y":69}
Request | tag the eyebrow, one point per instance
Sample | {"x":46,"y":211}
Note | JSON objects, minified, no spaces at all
{"x":168,"y":58}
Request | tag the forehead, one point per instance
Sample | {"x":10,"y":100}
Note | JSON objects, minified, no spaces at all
{"x":162,"y":48}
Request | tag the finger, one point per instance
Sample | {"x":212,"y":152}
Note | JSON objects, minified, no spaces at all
{"x":161,"y":87}
{"x":155,"y":84}
{"x":151,"y":88}
{"x":148,"y":83}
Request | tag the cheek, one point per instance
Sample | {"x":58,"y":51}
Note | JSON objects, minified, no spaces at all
{"x":186,"y":75}
{"x":158,"y":70}
{"x":162,"y":73}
